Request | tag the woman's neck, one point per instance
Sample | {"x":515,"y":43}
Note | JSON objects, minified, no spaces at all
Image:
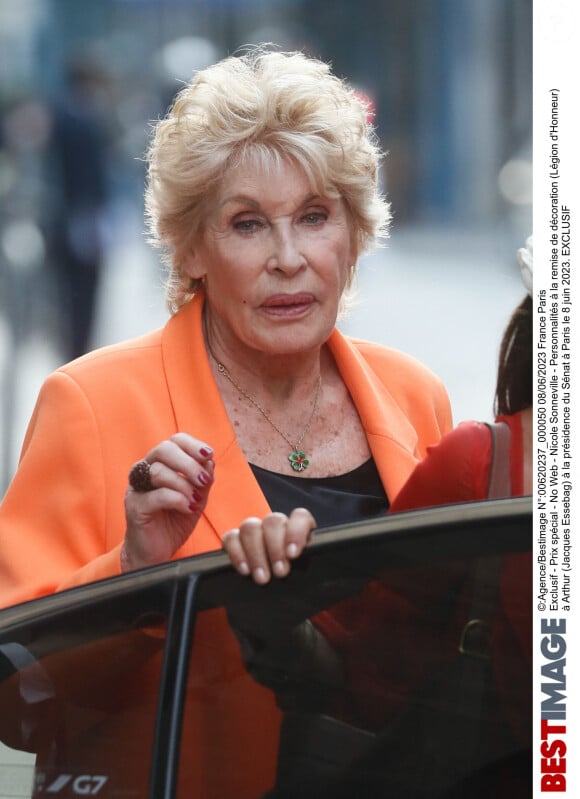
{"x":278,"y":377}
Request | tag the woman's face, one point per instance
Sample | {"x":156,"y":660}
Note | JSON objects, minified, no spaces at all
{"x":275,"y":257}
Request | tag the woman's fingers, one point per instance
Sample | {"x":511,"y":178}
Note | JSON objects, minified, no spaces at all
{"x":274,"y":530}
{"x":233,"y":546}
{"x":262,"y":547}
{"x":182,"y":463}
{"x":247,"y":550}
{"x":301,"y":523}
{"x":187,"y":457}
{"x":252,"y":540}
{"x":168,"y":491}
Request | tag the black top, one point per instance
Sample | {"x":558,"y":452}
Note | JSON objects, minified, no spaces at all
{"x":348,"y":497}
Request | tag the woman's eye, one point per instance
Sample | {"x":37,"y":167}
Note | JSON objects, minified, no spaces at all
{"x":315,"y":217}
{"x":247,"y":225}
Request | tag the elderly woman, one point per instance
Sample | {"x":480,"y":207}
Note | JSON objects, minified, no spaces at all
{"x":263,"y":193}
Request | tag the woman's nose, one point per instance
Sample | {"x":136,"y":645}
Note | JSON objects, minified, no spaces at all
{"x":286,"y":252}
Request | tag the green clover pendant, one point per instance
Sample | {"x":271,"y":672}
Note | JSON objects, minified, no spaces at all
{"x":298,"y":460}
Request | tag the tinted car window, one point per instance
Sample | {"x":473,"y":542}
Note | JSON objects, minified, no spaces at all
{"x":394,"y":666}
{"x":79,"y":690}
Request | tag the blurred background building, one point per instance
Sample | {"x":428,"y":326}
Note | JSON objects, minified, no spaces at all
{"x":450,"y":82}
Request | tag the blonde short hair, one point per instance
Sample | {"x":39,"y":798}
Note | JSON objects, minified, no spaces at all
{"x":266,"y":106}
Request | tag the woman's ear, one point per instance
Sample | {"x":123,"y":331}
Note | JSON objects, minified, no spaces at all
{"x":193,"y":265}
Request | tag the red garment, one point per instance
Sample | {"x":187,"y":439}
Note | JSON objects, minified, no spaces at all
{"x":421,"y":620}
{"x":457,"y":469}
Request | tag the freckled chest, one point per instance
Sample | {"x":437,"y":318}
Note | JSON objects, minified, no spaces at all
{"x":335,"y":443}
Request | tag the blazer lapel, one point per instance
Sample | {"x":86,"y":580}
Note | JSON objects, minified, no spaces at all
{"x":391,"y":436}
{"x":199,"y":411}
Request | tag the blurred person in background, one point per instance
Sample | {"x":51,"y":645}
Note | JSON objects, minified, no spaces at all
{"x":262,"y":192}
{"x":77,"y":157}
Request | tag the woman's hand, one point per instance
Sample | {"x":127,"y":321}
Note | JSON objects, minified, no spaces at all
{"x":161,"y":519}
{"x":262,"y":547}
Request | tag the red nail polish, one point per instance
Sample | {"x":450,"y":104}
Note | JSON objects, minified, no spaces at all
{"x":206,"y":452}
{"x":197,"y":497}
{"x":204,"y":479}
{"x":193,"y":507}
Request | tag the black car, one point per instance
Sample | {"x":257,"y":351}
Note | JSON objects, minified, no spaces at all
{"x":394,"y":661}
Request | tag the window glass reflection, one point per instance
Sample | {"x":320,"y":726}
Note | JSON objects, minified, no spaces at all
{"x":79,"y":703}
{"x":413,"y":680}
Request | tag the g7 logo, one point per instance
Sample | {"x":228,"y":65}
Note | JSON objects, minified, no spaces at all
{"x":83,"y":785}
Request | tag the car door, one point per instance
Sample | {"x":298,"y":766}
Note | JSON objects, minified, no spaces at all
{"x":394,"y":661}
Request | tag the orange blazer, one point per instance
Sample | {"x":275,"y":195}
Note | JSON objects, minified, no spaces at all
{"x":62,"y":520}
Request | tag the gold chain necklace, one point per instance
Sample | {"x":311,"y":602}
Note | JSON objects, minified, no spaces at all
{"x":298,"y":460}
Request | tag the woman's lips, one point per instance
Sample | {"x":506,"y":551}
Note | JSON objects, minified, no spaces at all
{"x":287,"y":305}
